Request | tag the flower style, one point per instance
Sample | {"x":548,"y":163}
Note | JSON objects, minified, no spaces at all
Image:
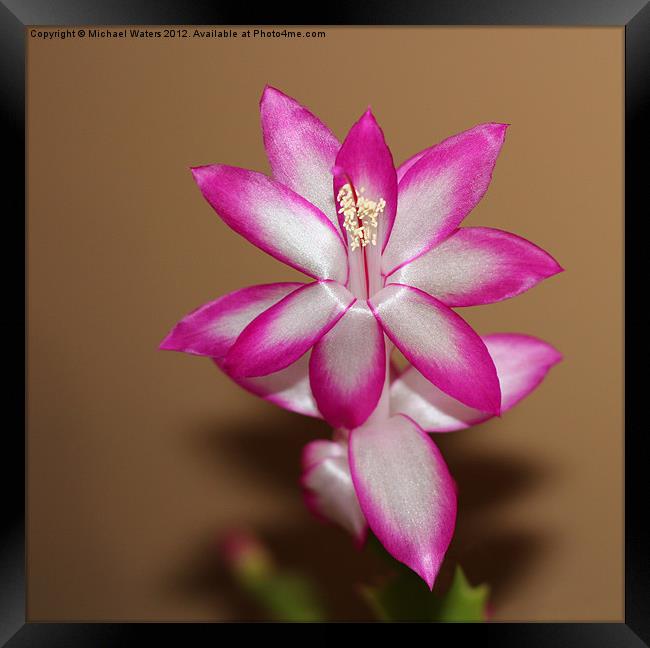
{"x":389,"y":262}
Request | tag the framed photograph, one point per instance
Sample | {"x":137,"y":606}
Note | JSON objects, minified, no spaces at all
{"x":397,"y":253}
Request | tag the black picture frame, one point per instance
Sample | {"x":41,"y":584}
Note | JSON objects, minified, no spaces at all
{"x":633,"y":15}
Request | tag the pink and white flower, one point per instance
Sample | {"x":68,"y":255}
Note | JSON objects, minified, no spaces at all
{"x":412,"y":527}
{"x":389,"y":261}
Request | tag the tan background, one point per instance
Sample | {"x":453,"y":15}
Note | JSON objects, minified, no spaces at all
{"x":139,"y":459}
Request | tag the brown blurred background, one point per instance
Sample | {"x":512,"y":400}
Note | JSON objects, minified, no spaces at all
{"x":139,"y":459}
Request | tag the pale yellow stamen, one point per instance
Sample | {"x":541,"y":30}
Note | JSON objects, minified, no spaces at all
{"x":360,"y":217}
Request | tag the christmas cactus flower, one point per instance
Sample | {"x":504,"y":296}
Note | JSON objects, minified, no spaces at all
{"x":332,"y":490}
{"x":389,"y":261}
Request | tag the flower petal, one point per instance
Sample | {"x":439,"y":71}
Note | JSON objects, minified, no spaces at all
{"x":440,"y":189}
{"x":300,"y":148}
{"x":405,"y":166}
{"x":440,"y":344}
{"x":478,"y":265}
{"x":275,"y":219}
{"x":521,"y":362}
{"x":366,"y":161}
{"x":284,"y":332}
{"x":348,"y":368}
{"x":316,"y":451}
{"x":288,"y":388}
{"x":213,"y":328}
{"x":405,"y":492}
{"x":328,"y":489}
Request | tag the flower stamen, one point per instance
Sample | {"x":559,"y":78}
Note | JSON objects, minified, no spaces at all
{"x":360,"y":216}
